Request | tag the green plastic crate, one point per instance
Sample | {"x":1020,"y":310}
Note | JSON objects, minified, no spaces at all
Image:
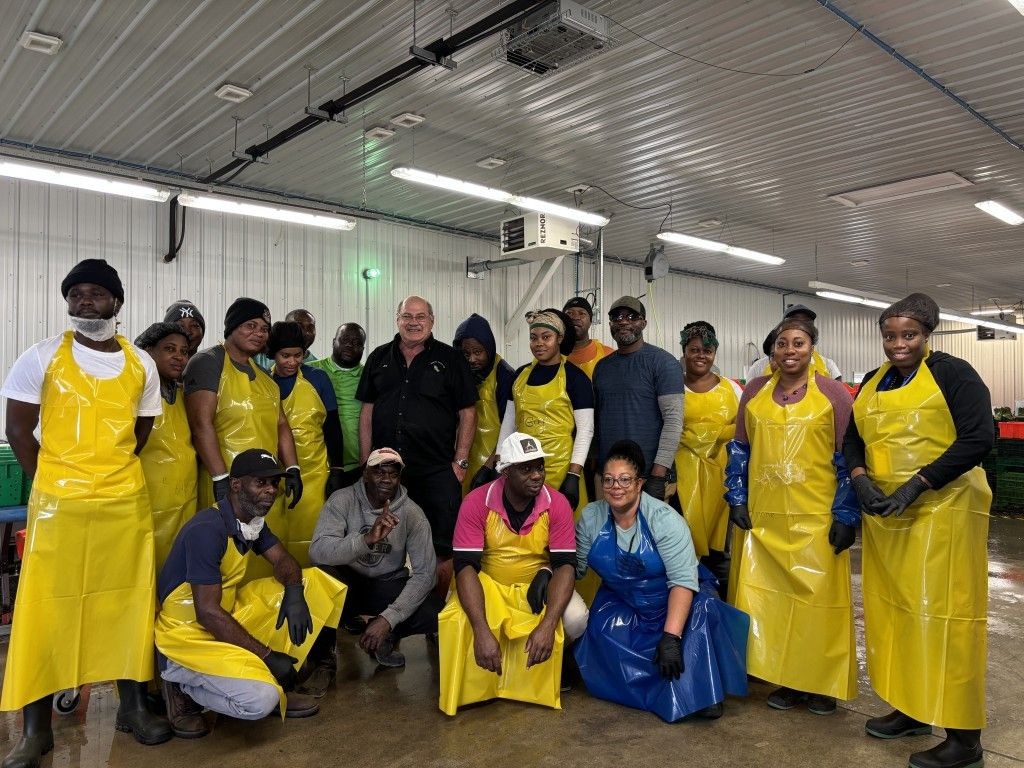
{"x":12,"y":479}
{"x":1010,"y":492}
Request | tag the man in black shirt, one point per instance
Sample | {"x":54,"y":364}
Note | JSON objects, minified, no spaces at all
{"x":419,"y":397}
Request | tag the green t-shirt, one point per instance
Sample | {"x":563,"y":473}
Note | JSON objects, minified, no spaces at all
{"x":345,"y":381}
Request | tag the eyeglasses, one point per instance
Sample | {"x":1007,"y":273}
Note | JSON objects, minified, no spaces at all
{"x":405,"y":317}
{"x":622,"y":480}
{"x":622,"y":317}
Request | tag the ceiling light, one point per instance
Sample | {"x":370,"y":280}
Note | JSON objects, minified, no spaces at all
{"x":880,"y":301}
{"x":714,"y":245}
{"x":497,"y":195}
{"x":988,"y":312}
{"x":37,"y":42}
{"x":943,"y":285}
{"x":489,"y":163}
{"x":242,"y":207}
{"x":1018,"y":4}
{"x":859,"y":263}
{"x":379,"y":132}
{"x":94,"y":182}
{"x":1000,"y":211}
{"x":407,"y":120}
{"x":233,"y":93}
{"x":898,"y":190}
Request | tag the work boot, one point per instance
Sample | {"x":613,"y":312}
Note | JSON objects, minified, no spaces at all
{"x":821,"y":705}
{"x":320,"y":679}
{"x":134,"y":718}
{"x":387,"y":653}
{"x":185,"y":716}
{"x":786,"y":698}
{"x":298,"y":705}
{"x":961,"y":749}
{"x":712,"y":712}
{"x":36,"y":735}
{"x":896,"y":724}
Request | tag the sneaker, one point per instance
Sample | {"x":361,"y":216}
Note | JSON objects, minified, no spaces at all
{"x":387,"y":653}
{"x":895,"y":725}
{"x":786,"y":698}
{"x":821,"y":705}
{"x":319,"y":680}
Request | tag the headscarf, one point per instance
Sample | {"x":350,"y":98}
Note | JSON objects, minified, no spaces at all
{"x":700,"y":329}
{"x":156,"y":333}
{"x":795,"y":323}
{"x":917,"y":306}
{"x":546,"y":318}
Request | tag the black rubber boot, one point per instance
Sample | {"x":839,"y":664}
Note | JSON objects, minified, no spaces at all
{"x":896,"y":725}
{"x":718,"y":562}
{"x":36,"y":736}
{"x":961,"y":749}
{"x":133,"y":717}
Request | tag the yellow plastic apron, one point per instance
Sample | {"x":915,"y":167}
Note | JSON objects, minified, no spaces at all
{"x":169,"y":464}
{"x":255,"y":605}
{"x":787,"y":578}
{"x":306,"y":413}
{"x":509,"y":563}
{"x":925,"y":572}
{"x":709,"y":422}
{"x":488,"y":425}
{"x":817,"y":365}
{"x":86,"y":598}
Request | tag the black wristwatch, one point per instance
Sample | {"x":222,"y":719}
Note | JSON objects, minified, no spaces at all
{"x":462,"y":463}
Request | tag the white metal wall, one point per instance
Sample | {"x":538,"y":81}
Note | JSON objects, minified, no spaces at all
{"x":45,"y":230}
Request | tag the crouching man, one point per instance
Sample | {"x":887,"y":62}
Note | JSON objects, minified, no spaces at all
{"x":229,"y":648}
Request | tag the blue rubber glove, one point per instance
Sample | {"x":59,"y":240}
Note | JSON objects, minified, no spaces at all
{"x":736,"y":473}
{"x":845,"y":505}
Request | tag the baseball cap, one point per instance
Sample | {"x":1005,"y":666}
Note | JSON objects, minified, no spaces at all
{"x":518,"y":448}
{"x":384,"y":456}
{"x":629,"y":302}
{"x":580,"y":303}
{"x":796,"y":309}
{"x":256,"y":462}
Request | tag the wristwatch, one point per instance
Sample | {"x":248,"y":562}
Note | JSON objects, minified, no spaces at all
{"x":462,"y":463}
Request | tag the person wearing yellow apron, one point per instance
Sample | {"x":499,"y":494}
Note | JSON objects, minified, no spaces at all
{"x":502,"y":632}
{"x":233,"y":405}
{"x":819,"y":363}
{"x":494,"y":378}
{"x":228,"y":646}
{"x":308,"y":400}
{"x":921,"y":425}
{"x":586,"y":352}
{"x":168,"y":458}
{"x":796,"y":515}
{"x":709,"y":422}
{"x":85,"y":603}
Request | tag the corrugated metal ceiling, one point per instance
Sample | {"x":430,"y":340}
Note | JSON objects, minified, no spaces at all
{"x":135,"y":83}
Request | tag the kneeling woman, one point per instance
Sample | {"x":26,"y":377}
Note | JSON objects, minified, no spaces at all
{"x":656,"y":639}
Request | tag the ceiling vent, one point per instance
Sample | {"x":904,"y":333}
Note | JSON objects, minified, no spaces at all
{"x":233,"y":93}
{"x":378,"y":132}
{"x":407,"y":120}
{"x":489,"y":163}
{"x":554,"y":38}
{"x":898,"y":190}
{"x":40,"y":43}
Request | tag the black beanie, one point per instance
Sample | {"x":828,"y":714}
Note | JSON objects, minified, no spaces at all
{"x":156,"y":333}
{"x":284,"y":335}
{"x":581,"y":303}
{"x":184,"y":308}
{"x":242,"y":310}
{"x":97,"y":272}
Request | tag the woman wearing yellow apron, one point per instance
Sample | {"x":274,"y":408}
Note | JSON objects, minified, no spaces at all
{"x":921,"y":425}
{"x":168,"y":459}
{"x":709,"y":422}
{"x":494,"y":378}
{"x":790,"y":499}
{"x":234,"y":405}
{"x":85,"y":603}
{"x":307,"y":396}
{"x":819,"y":363}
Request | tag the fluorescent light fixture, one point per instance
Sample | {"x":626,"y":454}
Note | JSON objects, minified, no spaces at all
{"x":879,"y":301}
{"x":992,"y":312}
{"x":898,"y":190}
{"x":240,"y":207}
{"x":94,"y":182}
{"x":1000,"y":211}
{"x":497,"y":195}
{"x":1018,"y":4}
{"x":714,"y":245}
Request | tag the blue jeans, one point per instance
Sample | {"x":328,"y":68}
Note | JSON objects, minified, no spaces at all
{"x":231,"y":696}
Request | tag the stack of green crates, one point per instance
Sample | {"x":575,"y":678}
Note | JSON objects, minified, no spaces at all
{"x":13,"y":483}
{"x":1009,"y":491}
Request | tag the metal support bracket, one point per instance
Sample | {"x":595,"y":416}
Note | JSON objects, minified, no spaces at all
{"x":325,"y":116}
{"x":547,"y":270}
{"x":429,"y":57}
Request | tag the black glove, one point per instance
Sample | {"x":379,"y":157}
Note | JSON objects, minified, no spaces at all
{"x":740,"y":516}
{"x":570,"y":488}
{"x":483,"y":476}
{"x":537,"y":592}
{"x":293,"y":485}
{"x":901,"y":498}
{"x":868,"y":494}
{"x":669,"y":656}
{"x":281,"y":667}
{"x":295,"y":610}
{"x":335,"y":481}
{"x":655,"y":486}
{"x":841,"y":536}
{"x":221,"y":488}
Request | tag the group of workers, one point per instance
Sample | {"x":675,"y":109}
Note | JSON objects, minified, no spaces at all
{"x":619,"y":515}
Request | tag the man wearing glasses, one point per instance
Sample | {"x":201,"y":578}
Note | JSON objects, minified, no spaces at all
{"x":233,"y":405}
{"x":638,"y":393}
{"x":419,"y":398}
{"x":502,"y":634}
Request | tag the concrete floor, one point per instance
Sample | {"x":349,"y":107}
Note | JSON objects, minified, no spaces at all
{"x":376,"y":717}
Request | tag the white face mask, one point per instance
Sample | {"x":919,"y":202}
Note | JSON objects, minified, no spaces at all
{"x":95,"y":328}
{"x":251,"y":531}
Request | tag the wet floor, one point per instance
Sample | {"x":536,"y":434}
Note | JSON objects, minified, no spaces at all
{"x":376,"y":717}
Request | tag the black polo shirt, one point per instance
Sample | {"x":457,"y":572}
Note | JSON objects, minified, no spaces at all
{"x":415,"y":407}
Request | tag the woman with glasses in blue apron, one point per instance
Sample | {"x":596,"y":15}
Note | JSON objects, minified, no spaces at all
{"x":658,"y":637}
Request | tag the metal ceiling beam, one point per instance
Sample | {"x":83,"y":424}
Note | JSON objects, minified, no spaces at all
{"x":547,"y":270}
